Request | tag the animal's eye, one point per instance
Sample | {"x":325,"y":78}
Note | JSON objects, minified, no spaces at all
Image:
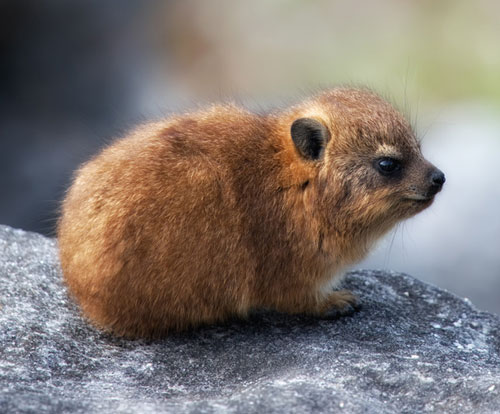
{"x":387,"y":166}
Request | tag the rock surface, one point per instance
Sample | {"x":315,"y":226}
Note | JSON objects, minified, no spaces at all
{"x":411,"y":348}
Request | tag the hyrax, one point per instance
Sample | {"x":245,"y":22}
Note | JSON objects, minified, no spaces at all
{"x":208,"y":215}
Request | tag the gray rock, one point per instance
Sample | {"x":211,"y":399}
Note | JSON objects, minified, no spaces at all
{"x":411,"y":348}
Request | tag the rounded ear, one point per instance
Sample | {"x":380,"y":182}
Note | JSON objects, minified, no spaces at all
{"x":310,"y":137}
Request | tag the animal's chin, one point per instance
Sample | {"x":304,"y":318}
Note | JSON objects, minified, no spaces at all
{"x":405,"y":207}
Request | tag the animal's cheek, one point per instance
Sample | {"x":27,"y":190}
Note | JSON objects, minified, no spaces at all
{"x":369,"y":205}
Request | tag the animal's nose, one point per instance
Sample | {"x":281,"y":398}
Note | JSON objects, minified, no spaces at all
{"x":437,"y":179}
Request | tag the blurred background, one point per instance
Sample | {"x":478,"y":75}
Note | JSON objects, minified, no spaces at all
{"x":74,"y":74}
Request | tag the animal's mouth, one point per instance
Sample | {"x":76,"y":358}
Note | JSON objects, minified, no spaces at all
{"x":420,"y":201}
{"x":420,"y":198}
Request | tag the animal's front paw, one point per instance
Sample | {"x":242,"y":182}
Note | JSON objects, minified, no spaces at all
{"x":339,"y":303}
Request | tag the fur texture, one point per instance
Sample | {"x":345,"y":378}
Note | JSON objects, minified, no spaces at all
{"x":210,"y":214}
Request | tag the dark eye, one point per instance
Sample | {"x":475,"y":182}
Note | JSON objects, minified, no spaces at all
{"x":387,"y":166}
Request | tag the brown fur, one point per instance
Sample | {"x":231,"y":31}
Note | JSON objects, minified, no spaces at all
{"x":208,"y":215}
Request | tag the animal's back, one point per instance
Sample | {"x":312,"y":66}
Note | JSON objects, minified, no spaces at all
{"x":149,"y":225}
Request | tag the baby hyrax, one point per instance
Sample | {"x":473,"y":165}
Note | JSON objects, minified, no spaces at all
{"x":208,"y":215}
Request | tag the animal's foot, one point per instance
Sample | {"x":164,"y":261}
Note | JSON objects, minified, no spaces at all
{"x":339,"y":303}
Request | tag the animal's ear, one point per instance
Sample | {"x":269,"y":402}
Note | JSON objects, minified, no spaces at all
{"x":310,"y":137}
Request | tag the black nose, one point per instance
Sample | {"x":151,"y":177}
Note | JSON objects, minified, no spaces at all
{"x":437,"y":181}
{"x":437,"y":178}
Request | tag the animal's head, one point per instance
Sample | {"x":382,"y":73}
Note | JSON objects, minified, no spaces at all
{"x":371,"y":172}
